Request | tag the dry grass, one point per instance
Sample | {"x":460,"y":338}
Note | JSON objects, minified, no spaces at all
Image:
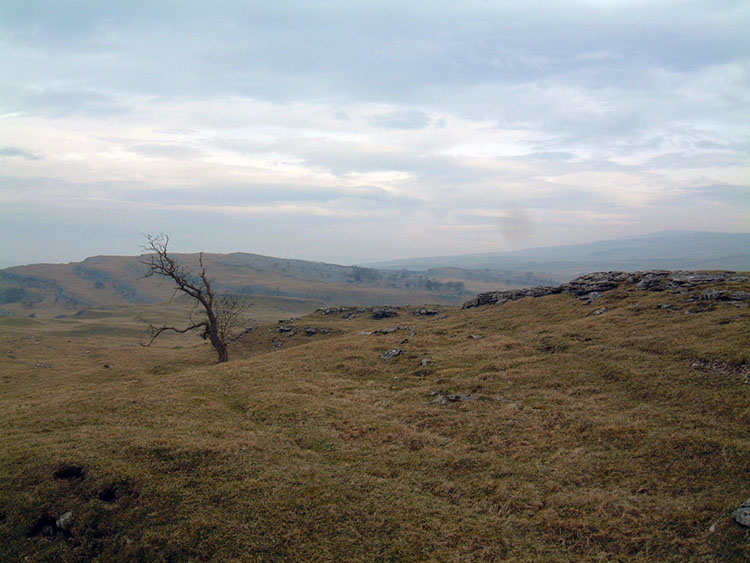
{"x":621,"y":436}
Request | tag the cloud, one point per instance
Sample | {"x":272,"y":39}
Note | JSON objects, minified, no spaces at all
{"x":15,"y":151}
{"x":402,"y":119}
{"x":393,"y":123}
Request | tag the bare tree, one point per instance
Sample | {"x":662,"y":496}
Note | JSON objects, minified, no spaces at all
{"x":220,"y":316}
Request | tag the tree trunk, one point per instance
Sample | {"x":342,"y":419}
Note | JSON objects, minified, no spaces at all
{"x":218,"y":344}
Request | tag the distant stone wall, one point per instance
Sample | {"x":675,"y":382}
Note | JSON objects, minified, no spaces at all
{"x":590,"y":286}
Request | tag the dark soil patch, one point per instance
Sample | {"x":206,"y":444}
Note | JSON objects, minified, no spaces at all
{"x":46,"y":526}
{"x":108,"y":494}
{"x":70,"y":472}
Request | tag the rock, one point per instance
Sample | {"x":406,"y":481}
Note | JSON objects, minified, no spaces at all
{"x":425,"y":361}
{"x":442,"y":398}
{"x":591,"y":297}
{"x":599,"y":311}
{"x":721,"y":295}
{"x":382,"y":313}
{"x":64,"y":521}
{"x":284,"y":328}
{"x":742,"y":514}
{"x":389,"y":354}
{"x":426,"y":312}
{"x":590,"y":287}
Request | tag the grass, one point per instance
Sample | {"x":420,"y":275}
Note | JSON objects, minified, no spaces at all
{"x":613,"y":437}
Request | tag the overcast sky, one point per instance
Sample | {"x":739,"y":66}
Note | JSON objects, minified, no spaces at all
{"x":356,"y":131}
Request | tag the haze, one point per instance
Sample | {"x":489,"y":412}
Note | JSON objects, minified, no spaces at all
{"x":349,"y":131}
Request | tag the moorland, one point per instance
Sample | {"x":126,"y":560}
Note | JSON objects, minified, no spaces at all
{"x":552,"y":428}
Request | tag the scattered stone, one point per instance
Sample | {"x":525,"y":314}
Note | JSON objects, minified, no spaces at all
{"x":284,"y":328}
{"x":393,"y":329}
{"x":742,"y":514}
{"x":425,"y":361}
{"x":732,"y":369}
{"x":389,"y":354}
{"x":665,"y":306}
{"x":475,"y":336}
{"x":382,"y":313}
{"x":277,"y":343}
{"x":599,"y":311}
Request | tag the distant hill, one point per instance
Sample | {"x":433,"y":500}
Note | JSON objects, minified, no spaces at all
{"x":669,"y":250}
{"x":118,"y":280}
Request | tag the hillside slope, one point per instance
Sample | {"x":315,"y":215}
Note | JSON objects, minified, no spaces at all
{"x":546,"y":428}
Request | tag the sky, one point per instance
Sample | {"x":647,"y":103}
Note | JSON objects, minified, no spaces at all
{"x":353,"y":131}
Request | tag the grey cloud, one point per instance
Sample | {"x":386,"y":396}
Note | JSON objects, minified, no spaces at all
{"x":386,"y":50}
{"x":15,"y":151}
{"x":60,"y":103}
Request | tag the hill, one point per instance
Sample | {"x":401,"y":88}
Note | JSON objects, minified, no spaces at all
{"x":293,"y":285}
{"x":604,"y":422}
{"x":670,"y":250}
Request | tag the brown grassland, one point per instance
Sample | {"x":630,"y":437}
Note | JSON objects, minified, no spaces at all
{"x":622,"y":436}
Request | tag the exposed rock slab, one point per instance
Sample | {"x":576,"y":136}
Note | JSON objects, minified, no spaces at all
{"x":590,"y":287}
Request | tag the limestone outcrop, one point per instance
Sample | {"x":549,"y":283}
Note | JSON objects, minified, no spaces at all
{"x":590,"y":287}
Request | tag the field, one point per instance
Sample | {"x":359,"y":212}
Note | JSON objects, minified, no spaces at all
{"x":533,"y":431}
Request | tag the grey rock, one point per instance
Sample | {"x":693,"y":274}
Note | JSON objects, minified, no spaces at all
{"x":65,"y":520}
{"x":284,"y":328}
{"x":590,"y":287}
{"x":382,"y":313}
{"x":443,"y":398}
{"x":591,"y":297}
{"x":742,"y":514}
{"x":599,"y":311}
{"x":426,"y":312}
{"x":389,"y":354}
